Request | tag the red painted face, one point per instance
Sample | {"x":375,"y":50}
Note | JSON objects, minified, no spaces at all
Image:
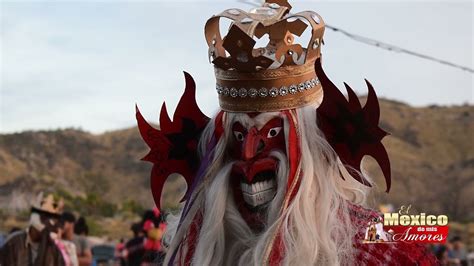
{"x":255,"y":169}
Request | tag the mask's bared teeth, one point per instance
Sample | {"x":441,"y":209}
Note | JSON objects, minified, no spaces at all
{"x":260,"y":198}
{"x":243,"y":186}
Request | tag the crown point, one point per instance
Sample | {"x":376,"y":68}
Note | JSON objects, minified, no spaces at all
{"x":246,"y":20}
{"x":316,"y":19}
{"x":234,"y":12}
{"x":274,"y":5}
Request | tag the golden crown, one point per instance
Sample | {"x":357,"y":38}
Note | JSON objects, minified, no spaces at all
{"x":275,"y":77}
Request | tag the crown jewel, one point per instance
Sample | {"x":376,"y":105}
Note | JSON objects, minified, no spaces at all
{"x":277,"y":76}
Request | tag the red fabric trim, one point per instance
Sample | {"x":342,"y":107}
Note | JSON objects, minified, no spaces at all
{"x":188,"y":246}
{"x":277,"y":251}
{"x":294,"y":159}
{"x":294,"y":151}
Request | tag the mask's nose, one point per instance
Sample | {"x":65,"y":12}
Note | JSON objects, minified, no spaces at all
{"x":253,"y":144}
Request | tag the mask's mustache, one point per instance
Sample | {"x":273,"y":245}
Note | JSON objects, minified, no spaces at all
{"x":251,"y":172}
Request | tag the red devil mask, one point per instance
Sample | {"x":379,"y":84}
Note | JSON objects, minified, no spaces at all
{"x":254,"y":138}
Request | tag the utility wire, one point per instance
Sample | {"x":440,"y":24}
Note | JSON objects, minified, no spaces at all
{"x":393,"y":48}
{"x":383,"y":45}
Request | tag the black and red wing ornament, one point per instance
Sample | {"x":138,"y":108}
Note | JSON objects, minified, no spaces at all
{"x":173,"y":147}
{"x":352,"y":130}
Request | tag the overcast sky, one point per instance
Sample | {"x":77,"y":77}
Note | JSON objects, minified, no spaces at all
{"x":86,"y":63}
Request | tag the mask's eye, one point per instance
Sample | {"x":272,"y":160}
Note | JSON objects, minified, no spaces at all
{"x":273,"y":132}
{"x":239,"y":135}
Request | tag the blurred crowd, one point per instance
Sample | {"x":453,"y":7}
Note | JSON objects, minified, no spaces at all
{"x":145,"y":247}
{"x":453,"y":252}
{"x":58,"y":238}
{"x":54,"y":237}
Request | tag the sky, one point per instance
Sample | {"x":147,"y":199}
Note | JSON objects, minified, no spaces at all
{"x":85,"y":64}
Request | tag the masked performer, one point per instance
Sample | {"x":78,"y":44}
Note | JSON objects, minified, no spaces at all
{"x":36,"y":246}
{"x":274,"y":177}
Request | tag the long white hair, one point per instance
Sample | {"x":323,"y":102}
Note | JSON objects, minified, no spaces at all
{"x":315,"y":228}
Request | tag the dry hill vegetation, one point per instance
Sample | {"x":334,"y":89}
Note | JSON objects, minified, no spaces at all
{"x":431,"y":149}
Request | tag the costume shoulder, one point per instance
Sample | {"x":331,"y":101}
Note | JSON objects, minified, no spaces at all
{"x":399,"y":253}
{"x":18,"y":236}
{"x":49,"y":253}
{"x":13,"y":243}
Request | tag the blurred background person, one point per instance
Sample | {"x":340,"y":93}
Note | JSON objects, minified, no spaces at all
{"x":119,"y":251}
{"x":84,"y":253}
{"x":67,"y":248}
{"x":441,"y":254}
{"x":457,"y":252}
{"x":153,"y":226}
{"x":35,"y":245}
{"x":65,"y":236}
{"x":134,"y":248}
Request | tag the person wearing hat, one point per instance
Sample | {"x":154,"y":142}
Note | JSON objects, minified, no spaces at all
{"x":35,"y":245}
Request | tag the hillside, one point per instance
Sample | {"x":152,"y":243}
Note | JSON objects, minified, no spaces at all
{"x":432,"y":156}
{"x":431,"y":149}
